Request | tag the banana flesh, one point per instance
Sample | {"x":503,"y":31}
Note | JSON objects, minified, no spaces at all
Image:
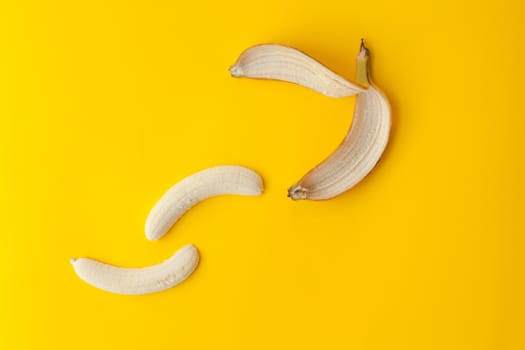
{"x":278,"y":62}
{"x":137,"y":281}
{"x":227,"y":179}
{"x":219,"y":180}
{"x":367,"y":137}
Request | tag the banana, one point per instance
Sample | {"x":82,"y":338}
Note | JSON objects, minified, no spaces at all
{"x":366,"y":139}
{"x":137,"y":281}
{"x":219,"y":180}
{"x":278,"y":62}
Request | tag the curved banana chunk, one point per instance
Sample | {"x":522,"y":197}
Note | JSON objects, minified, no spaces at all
{"x":278,"y":62}
{"x":136,"y":281}
{"x":361,"y":149}
{"x":219,"y":180}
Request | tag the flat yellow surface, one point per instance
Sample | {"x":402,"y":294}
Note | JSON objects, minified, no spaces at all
{"x":106,"y":104}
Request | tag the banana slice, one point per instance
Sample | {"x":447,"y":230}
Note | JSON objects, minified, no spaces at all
{"x":136,"y":281}
{"x":278,"y":62}
{"x":368,"y":136}
{"x":220,"y":180}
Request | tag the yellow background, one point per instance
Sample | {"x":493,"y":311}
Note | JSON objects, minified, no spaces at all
{"x":106,"y":104}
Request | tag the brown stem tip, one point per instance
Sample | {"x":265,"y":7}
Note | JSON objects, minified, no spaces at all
{"x":363,"y":51}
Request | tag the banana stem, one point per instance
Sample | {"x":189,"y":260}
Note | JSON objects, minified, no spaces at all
{"x":362,"y":65}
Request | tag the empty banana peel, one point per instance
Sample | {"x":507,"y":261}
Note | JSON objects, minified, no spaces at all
{"x":366,"y":139}
{"x":278,"y":62}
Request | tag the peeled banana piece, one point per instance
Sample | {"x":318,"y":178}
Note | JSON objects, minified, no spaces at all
{"x":367,"y":137}
{"x":137,"y":281}
{"x":219,"y":180}
{"x":278,"y":62}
